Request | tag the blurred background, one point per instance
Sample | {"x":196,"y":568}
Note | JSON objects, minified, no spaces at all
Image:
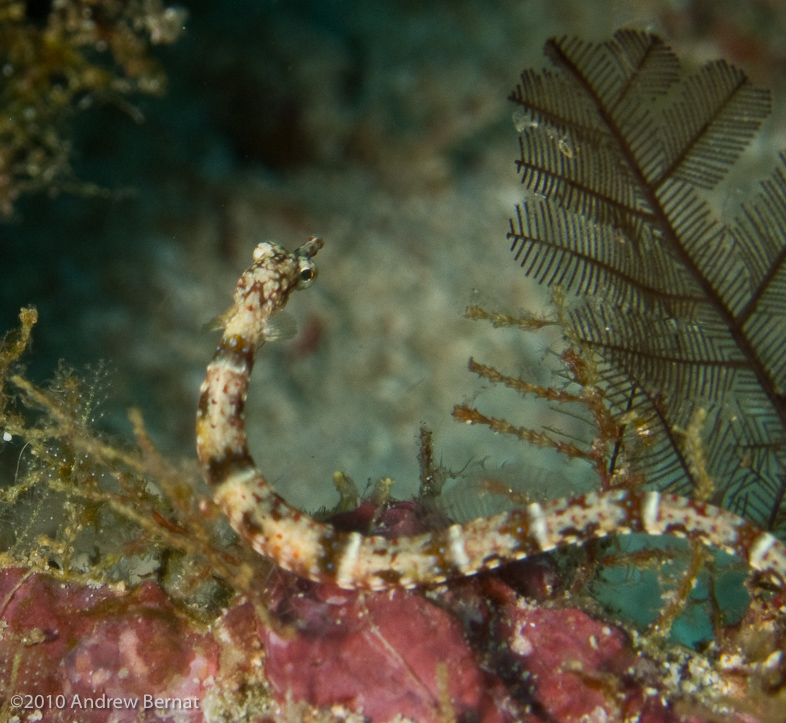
{"x":150,"y":148}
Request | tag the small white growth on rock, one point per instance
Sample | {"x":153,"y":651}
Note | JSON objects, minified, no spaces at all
{"x":773,"y":661}
{"x":521,"y":643}
{"x":599,"y":715}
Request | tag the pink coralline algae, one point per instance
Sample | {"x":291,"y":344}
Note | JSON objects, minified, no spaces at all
{"x":460,"y":658}
{"x":493,"y":648}
{"x":382,"y":655}
{"x":471,"y":651}
{"x":72,"y":652}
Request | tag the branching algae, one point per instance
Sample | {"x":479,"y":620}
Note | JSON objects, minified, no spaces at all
{"x":59,"y":60}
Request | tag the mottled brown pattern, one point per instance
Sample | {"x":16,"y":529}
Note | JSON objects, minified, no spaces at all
{"x":318,"y":551}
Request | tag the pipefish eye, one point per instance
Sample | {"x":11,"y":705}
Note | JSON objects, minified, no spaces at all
{"x":308,"y":273}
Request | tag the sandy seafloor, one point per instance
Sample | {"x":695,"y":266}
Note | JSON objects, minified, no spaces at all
{"x":382,"y":127}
